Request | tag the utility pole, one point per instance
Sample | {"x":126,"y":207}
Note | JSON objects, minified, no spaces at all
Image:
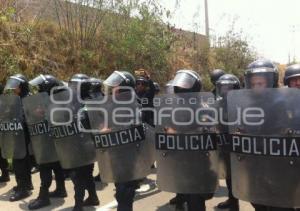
{"x":206,"y":19}
{"x":294,"y":43}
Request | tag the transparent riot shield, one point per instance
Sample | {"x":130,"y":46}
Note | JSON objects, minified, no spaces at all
{"x":124,"y":145}
{"x":265,"y":146}
{"x":187,"y":160}
{"x":36,"y":110}
{"x":13,"y":143}
{"x":74,"y":147}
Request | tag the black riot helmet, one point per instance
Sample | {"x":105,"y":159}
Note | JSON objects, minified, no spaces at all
{"x":45,"y":83}
{"x":261,"y":73}
{"x":291,"y":72}
{"x":95,"y":85}
{"x":215,"y":75}
{"x":18,"y":81}
{"x":120,"y":78}
{"x":157,"y":88}
{"x":80,"y":83}
{"x":261,"y":63}
{"x":187,"y":81}
{"x":226,"y":83}
{"x":142,"y":80}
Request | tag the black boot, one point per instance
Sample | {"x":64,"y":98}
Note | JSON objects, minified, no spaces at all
{"x":19,"y":194}
{"x":5,"y":176}
{"x":177,"y":200}
{"x":92,"y":200}
{"x":78,"y":206}
{"x":231,"y":203}
{"x":41,"y":201}
{"x":60,"y":191}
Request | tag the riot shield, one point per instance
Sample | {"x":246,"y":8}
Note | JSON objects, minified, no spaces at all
{"x":13,"y":144}
{"x":36,"y":109}
{"x":186,"y":155}
{"x":265,"y":146}
{"x":74,"y":147}
{"x":124,"y":145}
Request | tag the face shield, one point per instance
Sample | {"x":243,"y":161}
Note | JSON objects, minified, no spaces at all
{"x":184,"y":80}
{"x":260,"y":79}
{"x":112,"y":83}
{"x":36,"y":84}
{"x":13,"y":83}
{"x":38,"y":80}
{"x":222,"y":89}
{"x":115,"y":79}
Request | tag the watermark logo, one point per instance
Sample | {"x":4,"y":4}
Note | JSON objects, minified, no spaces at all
{"x":124,"y":108}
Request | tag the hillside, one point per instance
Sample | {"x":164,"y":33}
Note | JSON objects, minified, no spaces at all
{"x":37,"y":37}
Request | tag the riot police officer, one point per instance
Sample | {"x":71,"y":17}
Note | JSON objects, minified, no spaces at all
{"x":292,"y":76}
{"x":214,"y":76}
{"x":95,"y":88}
{"x":45,"y":83}
{"x":224,"y":84}
{"x":95,"y":92}
{"x":3,"y":162}
{"x":292,"y":80}
{"x":82,"y":177}
{"x":22,"y":167}
{"x":145,"y":91}
{"x":125,"y":191}
{"x":188,"y":81}
{"x":157,"y":88}
{"x":262,"y":74}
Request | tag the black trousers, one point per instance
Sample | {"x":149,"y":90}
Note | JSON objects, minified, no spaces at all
{"x":195,"y":202}
{"x":22,"y":169}
{"x":83,"y":179}
{"x":3,"y":164}
{"x":229,"y":187}
{"x":125,"y":193}
{"x":46,"y":175}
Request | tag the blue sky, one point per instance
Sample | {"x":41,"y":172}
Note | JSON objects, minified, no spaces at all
{"x":271,"y":26}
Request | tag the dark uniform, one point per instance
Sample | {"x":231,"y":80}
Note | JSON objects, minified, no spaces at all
{"x":96,"y":92}
{"x":267,"y":70}
{"x":125,"y":191}
{"x":95,"y":88}
{"x":157,"y":88}
{"x":3,"y":162}
{"x":224,"y":84}
{"x":82,"y":177}
{"x":187,"y":81}
{"x":145,"y":98}
{"x":214,"y":77}
{"x":45,"y":83}
{"x":22,"y":167}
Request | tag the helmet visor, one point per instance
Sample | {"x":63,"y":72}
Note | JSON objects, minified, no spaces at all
{"x":222,"y":89}
{"x":259,"y":80}
{"x":37,"y":81}
{"x":13,"y":83}
{"x":115,"y":79}
{"x":184,"y":80}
